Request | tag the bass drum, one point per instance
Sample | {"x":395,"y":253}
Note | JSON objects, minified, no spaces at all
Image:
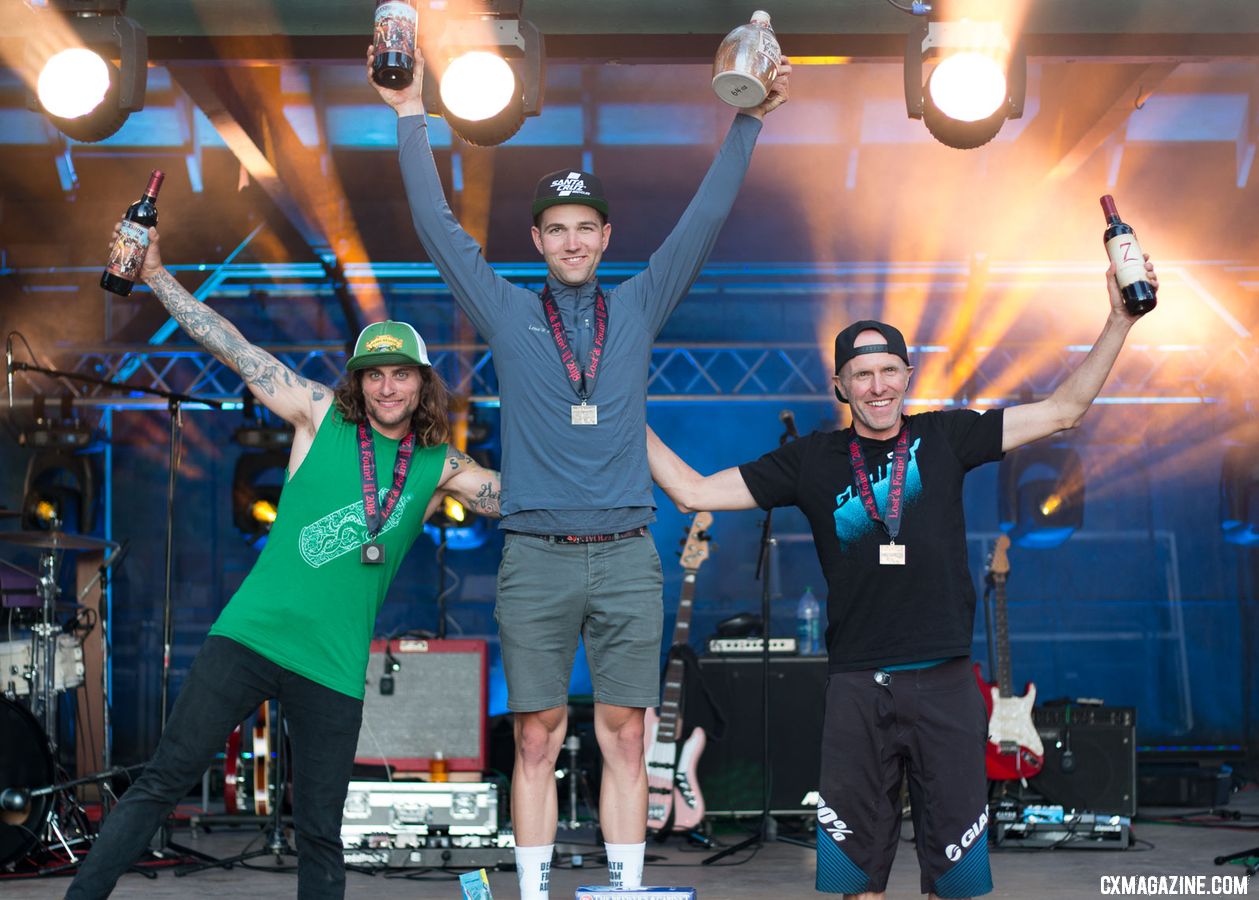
{"x":25,"y":762}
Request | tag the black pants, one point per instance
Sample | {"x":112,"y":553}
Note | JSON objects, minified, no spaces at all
{"x":226,"y":683}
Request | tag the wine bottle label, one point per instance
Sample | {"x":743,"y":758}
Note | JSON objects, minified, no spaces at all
{"x":127,"y":254}
{"x":1125,"y":253}
{"x":395,"y":28}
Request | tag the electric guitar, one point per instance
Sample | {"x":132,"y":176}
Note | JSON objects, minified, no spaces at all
{"x":674,"y":801}
{"x":247,"y":781}
{"x":1014,"y":748}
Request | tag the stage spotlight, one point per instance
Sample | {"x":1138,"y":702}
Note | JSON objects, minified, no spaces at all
{"x":1239,"y":495}
{"x":59,"y":493}
{"x":977,"y":83}
{"x":259,"y":476}
{"x":61,"y":430}
{"x":491,"y":73}
{"x":84,"y":94}
{"x":1040,"y":495}
{"x":257,"y":482}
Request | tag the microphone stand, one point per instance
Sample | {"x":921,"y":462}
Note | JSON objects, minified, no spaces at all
{"x":174,"y":402}
{"x":767,"y":828}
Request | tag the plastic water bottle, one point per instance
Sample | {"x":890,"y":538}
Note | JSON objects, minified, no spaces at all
{"x":808,"y":624}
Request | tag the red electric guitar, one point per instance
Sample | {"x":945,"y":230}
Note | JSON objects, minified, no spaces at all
{"x":1014,"y":748}
{"x":674,"y":801}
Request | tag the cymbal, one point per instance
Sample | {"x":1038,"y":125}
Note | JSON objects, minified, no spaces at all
{"x":54,"y":540}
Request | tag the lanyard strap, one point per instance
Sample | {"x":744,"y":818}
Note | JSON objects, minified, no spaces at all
{"x":891,"y":522}
{"x":375,"y":516}
{"x":581,"y":379}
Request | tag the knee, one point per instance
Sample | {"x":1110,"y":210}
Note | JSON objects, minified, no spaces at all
{"x":624,"y":742}
{"x":538,"y":740}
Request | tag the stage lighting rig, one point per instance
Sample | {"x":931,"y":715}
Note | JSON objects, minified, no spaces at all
{"x":1040,"y":495}
{"x":489,"y":73}
{"x":93,"y":72}
{"x":976,"y":82}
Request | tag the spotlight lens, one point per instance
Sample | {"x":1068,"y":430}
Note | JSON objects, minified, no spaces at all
{"x":263,"y":512}
{"x":454,"y":509}
{"x":477,"y":85}
{"x":73,"y":83}
{"x":968,"y":87}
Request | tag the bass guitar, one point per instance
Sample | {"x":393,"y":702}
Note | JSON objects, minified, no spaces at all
{"x":674,"y":801}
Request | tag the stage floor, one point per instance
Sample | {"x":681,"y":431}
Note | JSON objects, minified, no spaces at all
{"x":775,"y":870}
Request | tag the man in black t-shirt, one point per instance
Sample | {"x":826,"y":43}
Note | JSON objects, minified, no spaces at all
{"x":884,"y":501}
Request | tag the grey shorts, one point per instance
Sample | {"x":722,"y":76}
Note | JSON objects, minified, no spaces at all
{"x":609,"y":593}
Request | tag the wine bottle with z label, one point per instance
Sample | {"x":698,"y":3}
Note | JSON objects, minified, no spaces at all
{"x":1125,"y":253}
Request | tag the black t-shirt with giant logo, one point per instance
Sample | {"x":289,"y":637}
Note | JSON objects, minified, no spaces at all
{"x":882,"y":615}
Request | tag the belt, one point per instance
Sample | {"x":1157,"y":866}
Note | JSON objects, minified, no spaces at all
{"x":640,"y":531}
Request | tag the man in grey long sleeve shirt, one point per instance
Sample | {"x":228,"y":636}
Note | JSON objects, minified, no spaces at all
{"x":572,"y":367}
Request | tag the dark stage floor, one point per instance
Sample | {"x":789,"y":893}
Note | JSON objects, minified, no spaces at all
{"x":776,"y":870}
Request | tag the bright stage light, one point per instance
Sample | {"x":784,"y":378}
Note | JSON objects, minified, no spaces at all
{"x":73,"y":83}
{"x":478,"y":85}
{"x":968,"y":86}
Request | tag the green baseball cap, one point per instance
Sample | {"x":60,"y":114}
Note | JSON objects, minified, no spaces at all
{"x":388,"y":344}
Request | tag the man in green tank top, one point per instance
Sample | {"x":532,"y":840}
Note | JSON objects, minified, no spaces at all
{"x":370,"y":462}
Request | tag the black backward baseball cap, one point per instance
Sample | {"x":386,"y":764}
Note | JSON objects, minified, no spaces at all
{"x":569,"y":186}
{"x":844,"y":349}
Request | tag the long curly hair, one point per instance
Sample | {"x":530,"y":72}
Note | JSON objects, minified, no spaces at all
{"x":430,"y":422}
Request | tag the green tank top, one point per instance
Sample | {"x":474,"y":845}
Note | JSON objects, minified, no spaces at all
{"x":309,"y":604}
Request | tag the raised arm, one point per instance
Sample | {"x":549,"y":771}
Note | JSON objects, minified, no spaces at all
{"x":473,"y":485}
{"x":475,"y":286}
{"x":690,"y":490}
{"x":676,"y":264}
{"x":296,"y":400}
{"x":1066,"y":406}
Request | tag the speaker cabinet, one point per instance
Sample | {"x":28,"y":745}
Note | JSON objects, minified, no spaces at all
{"x":1090,"y":757}
{"x":730,"y":767}
{"x":425,"y":697}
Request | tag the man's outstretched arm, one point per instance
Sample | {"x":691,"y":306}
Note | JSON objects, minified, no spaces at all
{"x":473,"y":485}
{"x":1066,"y":406}
{"x":295,"y":399}
{"x":690,"y":490}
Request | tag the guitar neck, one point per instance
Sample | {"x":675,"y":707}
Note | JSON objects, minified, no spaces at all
{"x":667,"y":731}
{"x":1004,"y":679}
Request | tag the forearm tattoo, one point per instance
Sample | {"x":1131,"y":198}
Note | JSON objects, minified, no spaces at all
{"x":256,"y":367}
{"x":486,"y":501}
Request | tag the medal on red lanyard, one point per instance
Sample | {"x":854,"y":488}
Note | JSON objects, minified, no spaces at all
{"x":581,"y":379}
{"x":891,"y":553}
{"x":375,"y":516}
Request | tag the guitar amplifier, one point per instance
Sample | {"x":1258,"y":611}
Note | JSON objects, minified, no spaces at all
{"x":425,"y":697}
{"x":730,"y":768}
{"x":1090,"y":757}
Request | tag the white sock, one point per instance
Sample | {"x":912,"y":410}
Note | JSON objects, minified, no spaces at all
{"x":625,"y":864}
{"x":533,"y":872}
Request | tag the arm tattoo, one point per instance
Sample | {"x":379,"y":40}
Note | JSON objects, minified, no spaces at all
{"x":256,"y":367}
{"x":457,"y":458}
{"x":486,"y":502}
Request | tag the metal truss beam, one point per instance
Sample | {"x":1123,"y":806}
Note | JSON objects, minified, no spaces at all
{"x":713,"y":373}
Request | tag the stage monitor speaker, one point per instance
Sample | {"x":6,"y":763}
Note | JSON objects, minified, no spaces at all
{"x":730,"y":767}
{"x":1090,"y":757}
{"x":425,"y":697}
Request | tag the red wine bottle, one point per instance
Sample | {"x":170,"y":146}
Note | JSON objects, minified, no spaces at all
{"x":1125,"y":253}
{"x":393,"y":43}
{"x":127,"y":254}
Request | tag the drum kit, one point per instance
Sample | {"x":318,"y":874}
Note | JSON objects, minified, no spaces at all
{"x":41,"y":660}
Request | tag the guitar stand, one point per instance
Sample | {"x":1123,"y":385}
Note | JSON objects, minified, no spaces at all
{"x":1252,"y":868}
{"x":277,"y":844}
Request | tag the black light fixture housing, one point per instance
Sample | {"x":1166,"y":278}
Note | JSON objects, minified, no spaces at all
{"x":102,"y":26}
{"x":1040,"y":495}
{"x":495,"y":25}
{"x":924,"y":41}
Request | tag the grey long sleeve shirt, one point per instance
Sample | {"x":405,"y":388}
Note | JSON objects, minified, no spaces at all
{"x":560,"y":478}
